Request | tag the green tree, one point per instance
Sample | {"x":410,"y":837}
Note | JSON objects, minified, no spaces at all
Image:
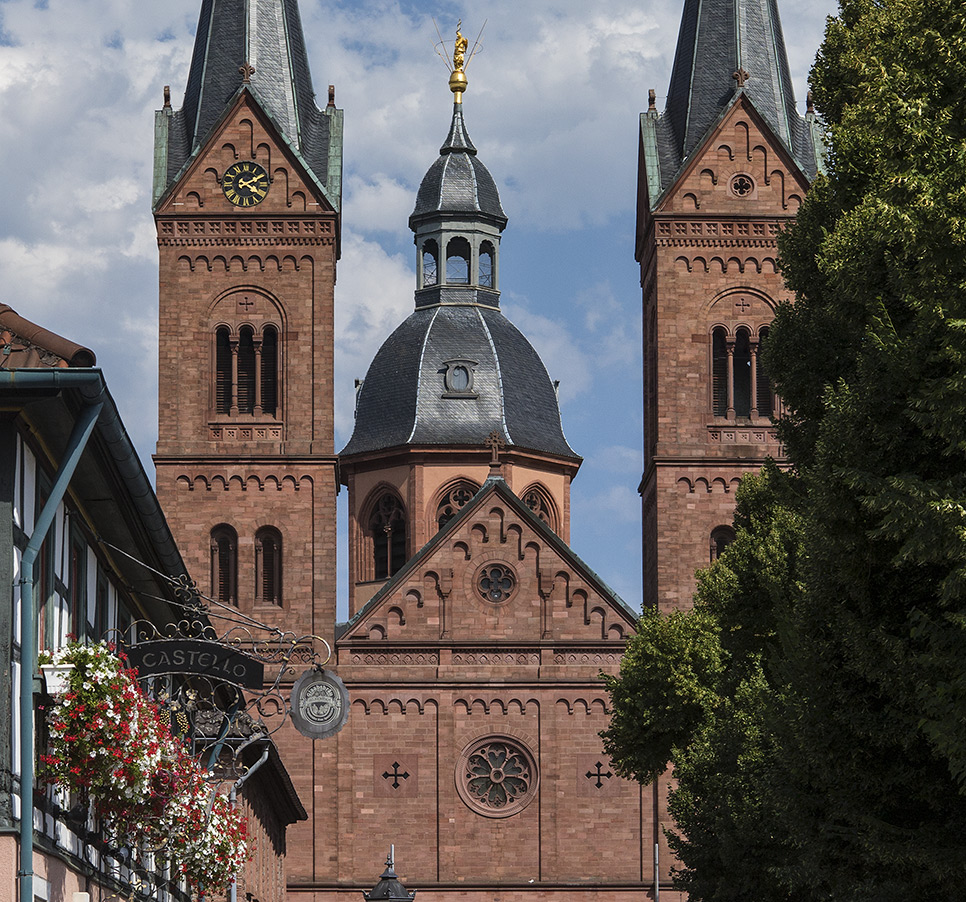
{"x":843,"y":754}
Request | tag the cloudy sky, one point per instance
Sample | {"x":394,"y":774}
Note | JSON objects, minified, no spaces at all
{"x":553,"y":104}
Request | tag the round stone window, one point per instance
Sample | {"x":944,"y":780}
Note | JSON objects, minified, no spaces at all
{"x":496,"y":583}
{"x":742,"y":185}
{"x":496,"y":776}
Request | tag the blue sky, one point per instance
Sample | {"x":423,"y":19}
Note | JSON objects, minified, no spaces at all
{"x":553,"y":103}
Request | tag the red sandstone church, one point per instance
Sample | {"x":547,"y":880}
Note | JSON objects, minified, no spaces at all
{"x":476,"y":635}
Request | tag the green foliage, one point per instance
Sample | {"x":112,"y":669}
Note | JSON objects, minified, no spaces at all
{"x":827,"y":757}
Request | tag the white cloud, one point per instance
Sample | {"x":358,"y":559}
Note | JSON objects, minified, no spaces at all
{"x":553,"y":107}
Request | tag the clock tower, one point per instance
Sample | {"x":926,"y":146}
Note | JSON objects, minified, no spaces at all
{"x":247,"y":195}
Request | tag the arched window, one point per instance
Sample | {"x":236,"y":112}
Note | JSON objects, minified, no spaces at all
{"x":224,"y":564}
{"x":742,"y":374}
{"x":739,"y":384}
{"x":246,"y":370}
{"x":268,"y":566}
{"x":721,"y":538}
{"x":538,"y":500}
{"x":763,"y":390}
{"x":719,"y":372}
{"x":486,"y":265}
{"x":458,"y":261}
{"x":453,"y":501}
{"x":223,"y":377}
{"x":387,"y":527}
{"x":430,"y":263}
{"x":269,"y":371}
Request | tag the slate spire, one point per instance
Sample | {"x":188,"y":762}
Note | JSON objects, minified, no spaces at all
{"x":257,"y":44}
{"x":725,"y":47}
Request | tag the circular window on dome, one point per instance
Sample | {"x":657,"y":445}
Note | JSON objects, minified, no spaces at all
{"x":496,"y":776}
{"x":742,"y":185}
{"x":496,"y":583}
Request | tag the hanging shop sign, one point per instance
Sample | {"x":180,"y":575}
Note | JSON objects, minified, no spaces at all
{"x":320,"y":704}
{"x":160,"y":657}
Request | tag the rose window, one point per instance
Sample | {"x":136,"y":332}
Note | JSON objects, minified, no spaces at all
{"x":496,"y":777}
{"x":742,"y":186}
{"x":496,"y":583}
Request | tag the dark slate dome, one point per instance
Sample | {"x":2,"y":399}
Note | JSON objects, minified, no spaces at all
{"x":458,"y":182}
{"x":413,"y":395}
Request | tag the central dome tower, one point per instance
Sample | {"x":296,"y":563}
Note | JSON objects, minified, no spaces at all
{"x":456,"y":394}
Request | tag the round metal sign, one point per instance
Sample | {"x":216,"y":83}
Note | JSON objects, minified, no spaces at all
{"x":320,"y":704}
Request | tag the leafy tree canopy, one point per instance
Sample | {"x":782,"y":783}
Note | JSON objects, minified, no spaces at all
{"x":820,"y":746}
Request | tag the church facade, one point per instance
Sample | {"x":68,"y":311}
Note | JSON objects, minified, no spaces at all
{"x":476,"y":636}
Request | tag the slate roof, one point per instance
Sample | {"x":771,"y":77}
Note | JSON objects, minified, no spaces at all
{"x":268,"y":35}
{"x":493,"y":485}
{"x":401,"y":401}
{"x":458,"y":182}
{"x":717,"y":39}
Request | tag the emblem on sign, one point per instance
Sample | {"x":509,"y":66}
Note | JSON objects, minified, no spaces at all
{"x":320,"y":704}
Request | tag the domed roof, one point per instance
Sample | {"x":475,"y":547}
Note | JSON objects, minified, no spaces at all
{"x":449,"y":376}
{"x":458,"y":182}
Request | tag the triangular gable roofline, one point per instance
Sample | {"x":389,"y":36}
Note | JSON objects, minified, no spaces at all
{"x":494,"y":485}
{"x":267,"y":119}
{"x":740,"y":96}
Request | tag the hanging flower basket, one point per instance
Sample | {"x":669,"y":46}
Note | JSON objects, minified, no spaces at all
{"x":110,"y":743}
{"x":56,"y":678}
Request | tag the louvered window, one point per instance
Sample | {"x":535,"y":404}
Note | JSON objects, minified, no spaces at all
{"x":224,"y":564}
{"x":223,"y":381}
{"x":719,"y":373}
{"x":269,"y":376}
{"x":268,"y":566}
{"x":765,"y":396}
{"x":246,"y":371}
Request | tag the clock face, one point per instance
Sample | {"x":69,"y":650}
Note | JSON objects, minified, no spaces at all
{"x":245,"y":184}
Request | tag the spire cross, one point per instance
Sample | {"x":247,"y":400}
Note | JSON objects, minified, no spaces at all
{"x":494,"y":441}
{"x":247,"y":70}
{"x":741,"y":75}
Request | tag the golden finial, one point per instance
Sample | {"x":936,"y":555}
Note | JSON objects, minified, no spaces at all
{"x":457,"y":78}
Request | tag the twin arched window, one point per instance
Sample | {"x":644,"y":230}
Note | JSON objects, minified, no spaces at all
{"x":387,"y":529}
{"x":247,"y":371}
{"x":739,"y":384}
{"x":224,"y":565}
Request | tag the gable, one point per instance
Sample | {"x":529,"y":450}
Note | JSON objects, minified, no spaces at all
{"x":740,"y":167}
{"x":495,"y":573}
{"x":245,"y":134}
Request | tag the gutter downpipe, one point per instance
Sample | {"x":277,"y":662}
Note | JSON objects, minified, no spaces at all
{"x":81,"y":433}
{"x":233,"y":795}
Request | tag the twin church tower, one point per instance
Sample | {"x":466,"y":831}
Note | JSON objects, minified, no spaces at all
{"x":476,"y":635}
